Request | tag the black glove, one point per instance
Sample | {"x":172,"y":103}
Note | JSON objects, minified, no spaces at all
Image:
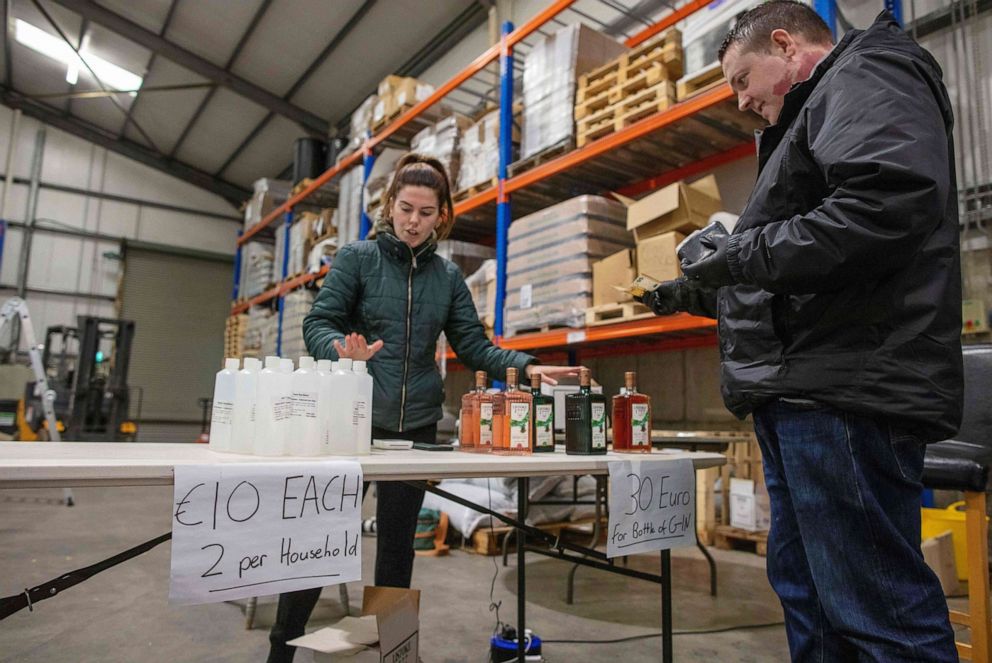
{"x":704,"y":257}
{"x":666,"y":298}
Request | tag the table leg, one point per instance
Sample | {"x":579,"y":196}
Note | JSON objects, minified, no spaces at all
{"x":666,"y":606}
{"x":522,"y":490}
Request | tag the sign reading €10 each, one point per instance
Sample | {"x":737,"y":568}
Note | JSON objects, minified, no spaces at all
{"x":241,"y":530}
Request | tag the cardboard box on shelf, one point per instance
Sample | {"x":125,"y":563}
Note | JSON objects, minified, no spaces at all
{"x":749,"y":506}
{"x":677,"y":207}
{"x":387,"y":632}
{"x":656,"y":256}
{"x":617,"y":270}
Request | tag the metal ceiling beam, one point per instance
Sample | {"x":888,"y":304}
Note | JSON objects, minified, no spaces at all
{"x":8,"y":64}
{"x":245,"y":36}
{"x":139,"y":35}
{"x":148,"y":68}
{"x":317,"y":62}
{"x":83,"y":27}
{"x":77,"y":127}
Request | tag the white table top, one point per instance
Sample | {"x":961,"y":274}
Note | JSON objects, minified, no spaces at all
{"x":46,"y":464}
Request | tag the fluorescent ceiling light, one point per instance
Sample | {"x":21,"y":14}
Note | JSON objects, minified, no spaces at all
{"x":112,"y":76}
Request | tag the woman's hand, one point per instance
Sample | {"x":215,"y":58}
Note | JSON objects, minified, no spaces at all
{"x":356,"y":347}
{"x":550,"y":374}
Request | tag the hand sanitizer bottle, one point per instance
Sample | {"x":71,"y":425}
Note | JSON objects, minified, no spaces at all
{"x":245,"y":393}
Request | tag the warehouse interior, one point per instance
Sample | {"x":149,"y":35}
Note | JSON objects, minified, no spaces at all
{"x":178,"y":179}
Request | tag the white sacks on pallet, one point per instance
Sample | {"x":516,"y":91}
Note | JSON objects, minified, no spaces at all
{"x":550,"y":74}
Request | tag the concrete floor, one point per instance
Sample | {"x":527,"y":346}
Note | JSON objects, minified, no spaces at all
{"x":123,"y":613}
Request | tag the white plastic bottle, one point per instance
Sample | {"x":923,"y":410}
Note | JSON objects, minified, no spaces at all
{"x":223,"y":410}
{"x":342,"y":429}
{"x":362,"y":408}
{"x":324,"y":371}
{"x":304,"y":437}
{"x":273,"y":408}
{"x":245,"y":393}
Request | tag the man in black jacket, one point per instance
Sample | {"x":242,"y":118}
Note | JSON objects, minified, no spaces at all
{"x":839,"y":306}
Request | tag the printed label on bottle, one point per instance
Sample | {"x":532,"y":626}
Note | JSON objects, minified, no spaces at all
{"x":598,"y":425}
{"x":282,"y":408}
{"x":359,"y":411}
{"x":251,"y":413}
{"x":544,"y":426}
{"x":519,"y":425}
{"x":305,"y":404}
{"x":222,"y":412}
{"x":640,"y":427}
{"x":486,"y":424}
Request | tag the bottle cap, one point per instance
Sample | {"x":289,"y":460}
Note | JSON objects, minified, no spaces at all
{"x":307,"y":363}
{"x":535,"y":382}
{"x":630,"y":380}
{"x":480,"y":379}
{"x":585,"y":377}
{"x":359,"y":366}
{"x":344,"y":364}
{"x":324,"y":365}
{"x":232,"y":364}
{"x":511,"y":377}
{"x":272,"y":363}
{"x":286,"y":365}
{"x":252,"y":364}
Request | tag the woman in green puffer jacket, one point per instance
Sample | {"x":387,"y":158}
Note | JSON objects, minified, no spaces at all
{"x":387,"y":301}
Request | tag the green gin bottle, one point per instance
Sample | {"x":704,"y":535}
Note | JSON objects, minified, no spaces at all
{"x":585,"y":419}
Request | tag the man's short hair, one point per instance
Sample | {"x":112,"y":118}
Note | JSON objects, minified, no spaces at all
{"x":754,"y":28}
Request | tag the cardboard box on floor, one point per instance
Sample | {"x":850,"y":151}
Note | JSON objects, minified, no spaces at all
{"x":677,"y":207}
{"x":938,"y":552}
{"x":617,"y":270}
{"x":395,"y":629}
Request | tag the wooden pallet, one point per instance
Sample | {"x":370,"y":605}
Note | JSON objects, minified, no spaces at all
{"x":596,"y":126}
{"x":302,"y":184}
{"x":633,"y":85}
{"x":537,"y":329}
{"x":701,"y":81}
{"x":648,"y":102}
{"x":665,"y":49}
{"x":599,"y":80}
{"x":595,"y":104}
{"x":545,"y":155}
{"x":486,"y":541}
{"x":607,"y":314}
{"x":474,"y":190}
{"x":734,"y":538}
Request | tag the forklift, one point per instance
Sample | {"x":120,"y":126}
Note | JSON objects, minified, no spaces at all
{"x":86,"y":367}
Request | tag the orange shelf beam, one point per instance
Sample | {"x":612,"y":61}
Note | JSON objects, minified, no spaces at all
{"x":742,"y":151}
{"x":279,"y":290}
{"x":667,"y":22}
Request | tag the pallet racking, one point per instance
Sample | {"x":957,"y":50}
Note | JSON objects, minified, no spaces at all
{"x":686,"y":139}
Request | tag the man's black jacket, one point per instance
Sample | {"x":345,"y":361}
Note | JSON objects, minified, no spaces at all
{"x":847,"y":253}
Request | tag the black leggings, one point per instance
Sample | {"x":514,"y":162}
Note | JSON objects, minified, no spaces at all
{"x":397,"y":507}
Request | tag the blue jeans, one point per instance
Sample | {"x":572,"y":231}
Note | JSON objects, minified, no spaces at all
{"x":844,"y":546}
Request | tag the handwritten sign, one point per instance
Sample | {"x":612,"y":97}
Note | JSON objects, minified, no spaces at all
{"x":241,"y":530}
{"x":652,"y":506}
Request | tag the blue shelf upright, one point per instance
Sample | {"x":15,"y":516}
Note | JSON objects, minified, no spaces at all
{"x":503,"y":216}
{"x":284,"y":271}
{"x":368,"y":160}
{"x":235,"y":290}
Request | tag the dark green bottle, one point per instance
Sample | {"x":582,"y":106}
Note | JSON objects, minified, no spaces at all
{"x":544,"y":417}
{"x":585,"y":419}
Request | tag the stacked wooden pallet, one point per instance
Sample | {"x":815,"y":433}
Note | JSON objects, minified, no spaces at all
{"x":234,"y":335}
{"x":638,"y":84}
